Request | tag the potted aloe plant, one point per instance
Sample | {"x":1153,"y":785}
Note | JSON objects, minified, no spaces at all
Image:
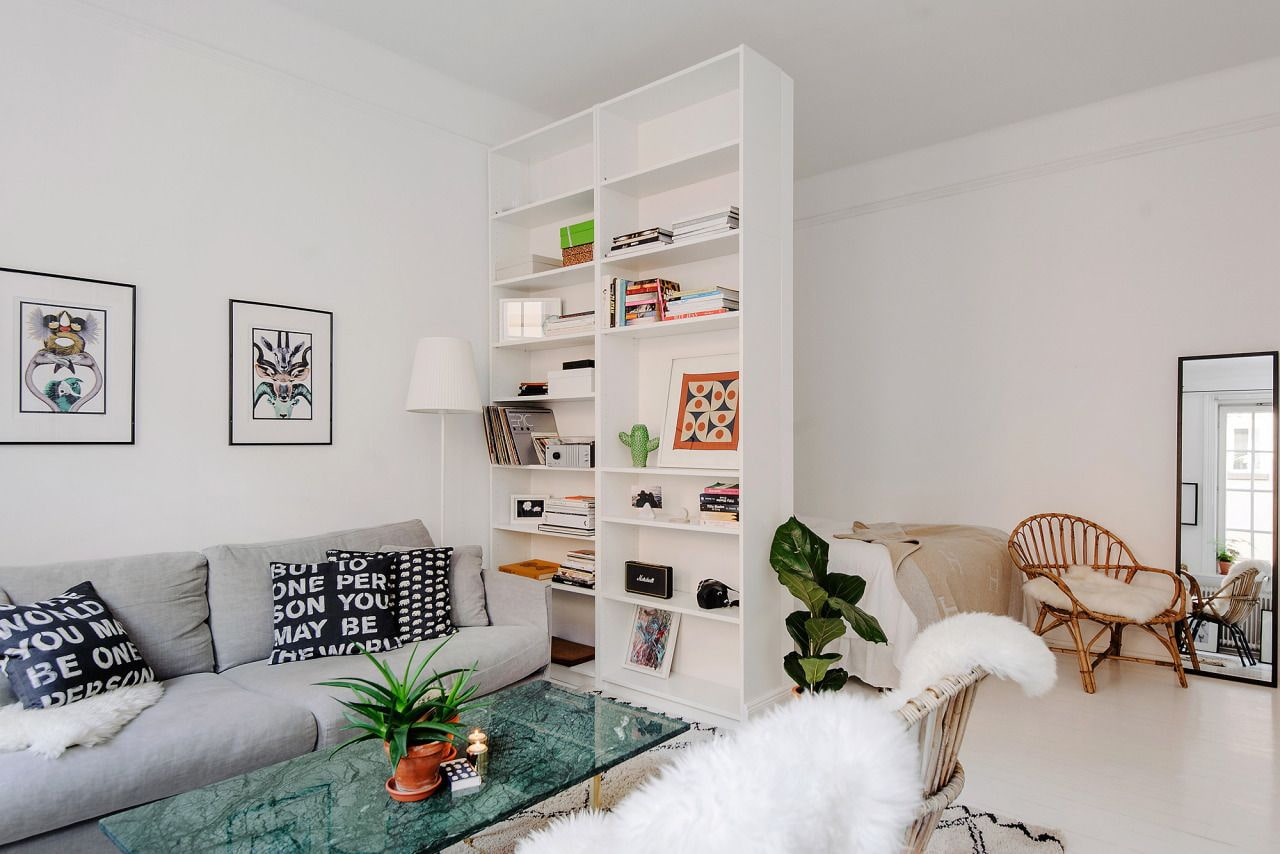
{"x":414,"y":715}
{"x":799,"y":557}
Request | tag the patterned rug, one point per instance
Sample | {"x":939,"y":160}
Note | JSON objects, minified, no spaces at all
{"x":960,"y":831}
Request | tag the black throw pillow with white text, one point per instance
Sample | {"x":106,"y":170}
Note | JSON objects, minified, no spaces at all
{"x":338,"y":607}
{"x":67,"y":648}
{"x":422,"y":590}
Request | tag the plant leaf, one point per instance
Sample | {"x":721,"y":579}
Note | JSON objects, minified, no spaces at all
{"x":834,"y":680}
{"x":815,"y":666}
{"x":798,"y":549}
{"x":791,"y":664}
{"x":795,"y":628}
{"x":866,"y":626}
{"x":822,"y":631}
{"x":847,"y":587}
{"x":804,"y":589}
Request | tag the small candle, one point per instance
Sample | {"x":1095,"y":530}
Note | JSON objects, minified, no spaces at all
{"x":477,"y":736}
{"x":478,"y":756}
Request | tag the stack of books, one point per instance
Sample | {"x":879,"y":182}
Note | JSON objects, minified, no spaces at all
{"x":510,"y":432}
{"x":574,"y":515}
{"x":713,"y":300}
{"x":718,"y":221}
{"x":718,"y":505}
{"x":640,"y":302}
{"x":532,"y":388}
{"x":636,"y":240}
{"x":578,"y":569}
{"x":569,"y":324}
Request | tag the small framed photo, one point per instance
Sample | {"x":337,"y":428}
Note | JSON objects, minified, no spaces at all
{"x":1190,"y":504}
{"x":281,"y":375}
{"x":652,"y":645}
{"x":646,"y":497}
{"x":522,"y":319}
{"x":527,"y":508}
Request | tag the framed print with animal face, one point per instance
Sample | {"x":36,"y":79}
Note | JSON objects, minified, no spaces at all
{"x":66,"y":359}
{"x":704,"y":413}
{"x":281,"y":384}
{"x":652,"y":645}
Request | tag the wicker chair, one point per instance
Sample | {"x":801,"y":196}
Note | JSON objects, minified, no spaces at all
{"x":1048,"y":544}
{"x":940,"y":714}
{"x":1229,"y":606}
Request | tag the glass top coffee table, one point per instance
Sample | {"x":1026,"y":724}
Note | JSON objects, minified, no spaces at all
{"x":544,"y":739}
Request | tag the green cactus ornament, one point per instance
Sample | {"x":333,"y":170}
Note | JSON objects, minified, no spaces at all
{"x":640,"y":444}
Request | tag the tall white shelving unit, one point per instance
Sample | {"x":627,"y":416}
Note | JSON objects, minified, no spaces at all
{"x":716,"y":134}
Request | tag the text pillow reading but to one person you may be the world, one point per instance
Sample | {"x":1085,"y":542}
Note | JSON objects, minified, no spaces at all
{"x":67,"y":648}
{"x":339,"y":607}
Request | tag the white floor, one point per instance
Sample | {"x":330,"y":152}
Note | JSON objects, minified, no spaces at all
{"x":1142,"y":765}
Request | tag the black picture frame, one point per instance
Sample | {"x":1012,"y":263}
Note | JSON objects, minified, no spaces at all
{"x":1195,"y":504}
{"x":232,"y":378}
{"x":132,"y":340}
{"x":1274,"y":355}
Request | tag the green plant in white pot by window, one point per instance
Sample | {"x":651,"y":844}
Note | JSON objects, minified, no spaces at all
{"x":800,"y":557}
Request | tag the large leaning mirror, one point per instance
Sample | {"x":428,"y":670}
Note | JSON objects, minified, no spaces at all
{"x":1227,"y":438}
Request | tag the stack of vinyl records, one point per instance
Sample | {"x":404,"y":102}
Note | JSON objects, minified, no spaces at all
{"x":569,"y":324}
{"x":637,"y":240}
{"x":718,"y":505}
{"x":574,"y":515}
{"x":718,"y":221}
{"x":510,"y":432}
{"x":578,"y":569}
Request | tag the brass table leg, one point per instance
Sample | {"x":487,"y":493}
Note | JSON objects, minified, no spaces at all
{"x":593,"y":798}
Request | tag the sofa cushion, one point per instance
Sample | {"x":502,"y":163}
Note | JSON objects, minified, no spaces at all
{"x":158,"y":598}
{"x":423,"y":609}
{"x":338,"y":607}
{"x":240,"y":601}
{"x":203,"y":730}
{"x":466,"y":584}
{"x":504,"y":654}
{"x":6,"y":693}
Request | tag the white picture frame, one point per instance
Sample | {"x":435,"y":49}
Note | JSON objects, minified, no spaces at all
{"x":522,"y":319}
{"x":527,"y":508}
{"x":702,"y":427}
{"x":651,"y":640}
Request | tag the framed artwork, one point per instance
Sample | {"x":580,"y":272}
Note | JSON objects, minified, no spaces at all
{"x":704,"y":413}
{"x":1190,"y":504}
{"x":281,"y":375}
{"x":67,"y":359}
{"x":651,"y":647}
{"x":522,"y":319}
{"x":527,"y":508}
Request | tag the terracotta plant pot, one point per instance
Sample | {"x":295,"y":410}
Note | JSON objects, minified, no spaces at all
{"x":418,"y":773}
{"x":1224,"y":566}
{"x":796,"y":692}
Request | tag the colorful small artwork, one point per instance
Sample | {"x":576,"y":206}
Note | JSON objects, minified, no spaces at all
{"x":65,"y":367}
{"x":653,"y":639}
{"x":281,"y":371}
{"x":704,"y":413}
{"x":281,"y":375}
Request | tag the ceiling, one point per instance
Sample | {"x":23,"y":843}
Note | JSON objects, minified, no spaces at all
{"x":873,"y":77}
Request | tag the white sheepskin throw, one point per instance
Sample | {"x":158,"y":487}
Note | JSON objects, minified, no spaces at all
{"x":1101,"y":593}
{"x":1004,"y":647}
{"x":49,"y":732}
{"x":825,"y":773}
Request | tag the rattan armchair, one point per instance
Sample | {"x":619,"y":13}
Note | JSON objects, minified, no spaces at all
{"x":1049,"y":544}
{"x":940,"y":714}
{"x":1229,"y":606}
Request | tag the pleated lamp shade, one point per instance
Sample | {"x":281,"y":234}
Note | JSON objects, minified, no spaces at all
{"x":443,"y":378}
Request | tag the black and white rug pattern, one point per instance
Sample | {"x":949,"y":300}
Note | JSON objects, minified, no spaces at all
{"x":961,"y":830}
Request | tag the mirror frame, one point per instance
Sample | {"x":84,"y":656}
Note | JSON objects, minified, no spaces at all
{"x":1275,"y":503}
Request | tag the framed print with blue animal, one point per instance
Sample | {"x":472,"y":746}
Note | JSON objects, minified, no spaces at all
{"x":281,"y":383}
{"x":66,"y":359}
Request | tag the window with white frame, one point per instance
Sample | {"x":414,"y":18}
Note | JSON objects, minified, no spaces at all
{"x":1245,"y":490}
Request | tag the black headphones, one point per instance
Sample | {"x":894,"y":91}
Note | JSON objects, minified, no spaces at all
{"x":715,"y":594}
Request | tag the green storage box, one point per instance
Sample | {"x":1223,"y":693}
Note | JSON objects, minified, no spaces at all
{"x":578,"y":234}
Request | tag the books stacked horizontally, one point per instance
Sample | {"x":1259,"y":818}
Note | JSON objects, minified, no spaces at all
{"x":510,"y":432}
{"x":714,"y":300}
{"x":578,"y":569}
{"x":574,"y":515}
{"x":719,"y":221}
{"x":569,"y":324}
{"x":637,"y":240}
{"x":718,"y":505}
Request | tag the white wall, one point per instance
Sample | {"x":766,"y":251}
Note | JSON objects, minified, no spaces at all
{"x":134,"y":152}
{"x":990,"y":328}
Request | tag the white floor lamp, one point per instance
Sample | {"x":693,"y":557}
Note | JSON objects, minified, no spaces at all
{"x":444,"y":382}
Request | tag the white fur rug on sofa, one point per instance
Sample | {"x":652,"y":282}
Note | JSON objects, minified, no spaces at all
{"x":49,"y":732}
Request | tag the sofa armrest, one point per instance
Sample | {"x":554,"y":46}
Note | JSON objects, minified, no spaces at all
{"x":516,"y":601}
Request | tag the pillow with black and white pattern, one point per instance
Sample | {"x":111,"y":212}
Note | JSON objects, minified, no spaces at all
{"x":339,"y":607}
{"x":422,"y":590}
{"x":67,"y":648}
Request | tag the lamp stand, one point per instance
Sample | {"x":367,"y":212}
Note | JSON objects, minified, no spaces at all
{"x":443,"y":539}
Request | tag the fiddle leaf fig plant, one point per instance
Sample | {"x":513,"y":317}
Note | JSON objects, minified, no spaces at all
{"x":800,"y":557}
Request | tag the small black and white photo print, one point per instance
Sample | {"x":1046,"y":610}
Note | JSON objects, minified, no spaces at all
{"x":528,"y":508}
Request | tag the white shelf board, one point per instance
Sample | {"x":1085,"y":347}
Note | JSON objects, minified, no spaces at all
{"x":550,"y":140}
{"x":570,"y":588}
{"x":544,"y":211}
{"x":574,"y":274}
{"x":707,"y":79}
{"x":710,"y":474}
{"x":680,"y":688}
{"x":516,"y":528}
{"x":556,"y":342}
{"x":670,"y":526}
{"x":661,"y":329}
{"x":544,"y":398}
{"x":681,"y":252}
{"x":582,"y":676}
{"x":540,"y":468}
{"x":681,"y":601}
{"x":678,"y":172}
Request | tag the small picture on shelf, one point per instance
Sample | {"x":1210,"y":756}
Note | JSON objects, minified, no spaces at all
{"x":527,"y":508}
{"x":646,"y":497}
{"x":651,"y":646}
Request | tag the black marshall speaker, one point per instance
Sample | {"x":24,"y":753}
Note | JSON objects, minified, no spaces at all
{"x":648,"y":579}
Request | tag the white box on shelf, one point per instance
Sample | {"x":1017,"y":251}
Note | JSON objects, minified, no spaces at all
{"x":527,"y":267}
{"x":578,"y":381}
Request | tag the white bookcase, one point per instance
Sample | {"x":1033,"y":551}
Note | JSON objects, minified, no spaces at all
{"x":716,"y":134}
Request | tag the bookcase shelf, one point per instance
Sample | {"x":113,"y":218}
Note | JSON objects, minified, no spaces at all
{"x":713,"y":135}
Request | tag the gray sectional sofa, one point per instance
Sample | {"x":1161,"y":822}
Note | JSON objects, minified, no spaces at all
{"x":202,"y":620}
